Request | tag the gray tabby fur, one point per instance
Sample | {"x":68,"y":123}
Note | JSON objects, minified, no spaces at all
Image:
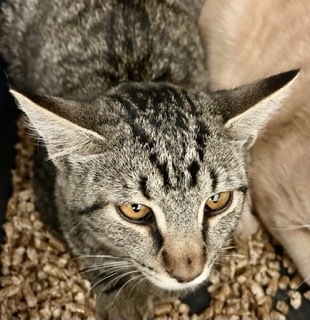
{"x":133,"y":124}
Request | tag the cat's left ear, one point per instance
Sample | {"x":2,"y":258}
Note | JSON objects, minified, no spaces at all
{"x":62,"y":124}
{"x":247,"y":109}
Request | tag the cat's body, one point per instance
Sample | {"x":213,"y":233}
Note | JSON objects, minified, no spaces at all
{"x":251,"y":39}
{"x":94,"y":45}
{"x":151,"y":175}
{"x":138,"y":47}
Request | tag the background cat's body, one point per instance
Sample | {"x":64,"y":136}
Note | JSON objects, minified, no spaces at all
{"x":250,"y":39}
{"x":133,"y":126}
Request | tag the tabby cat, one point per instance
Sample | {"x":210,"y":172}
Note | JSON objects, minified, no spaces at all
{"x":146,"y":170}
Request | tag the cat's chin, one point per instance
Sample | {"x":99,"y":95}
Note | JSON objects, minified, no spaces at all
{"x":171,"y":284}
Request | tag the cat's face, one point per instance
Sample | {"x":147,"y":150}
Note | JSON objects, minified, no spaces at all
{"x":155,"y":174}
{"x":171,"y":163}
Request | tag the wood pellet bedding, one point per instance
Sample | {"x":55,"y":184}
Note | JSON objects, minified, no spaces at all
{"x":41,"y":280}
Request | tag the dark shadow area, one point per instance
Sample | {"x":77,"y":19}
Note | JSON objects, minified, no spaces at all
{"x":8,"y":116}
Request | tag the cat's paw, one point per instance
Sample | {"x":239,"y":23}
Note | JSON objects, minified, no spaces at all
{"x":248,"y":225}
{"x":147,"y":310}
{"x":125,"y":312}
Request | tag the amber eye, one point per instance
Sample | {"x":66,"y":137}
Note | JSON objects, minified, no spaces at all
{"x":135,"y":211}
{"x":218,"y":202}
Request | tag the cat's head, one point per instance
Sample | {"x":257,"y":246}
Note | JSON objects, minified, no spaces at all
{"x":155,"y":173}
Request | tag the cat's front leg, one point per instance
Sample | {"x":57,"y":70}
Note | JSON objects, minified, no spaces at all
{"x":130,"y":302}
{"x":124,"y":307}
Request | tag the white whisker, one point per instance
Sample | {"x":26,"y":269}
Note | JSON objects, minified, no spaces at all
{"x":227,"y":248}
{"x":216,"y":263}
{"x":294,"y":227}
{"x":108,"y":273}
{"x":303,"y":282}
{"x":123,"y":286}
{"x":103,"y":264}
{"x":107,"y":277}
{"x":232,"y":255}
{"x":112,"y":280}
{"x":85,"y":256}
{"x":82,"y":220}
{"x":107,"y":263}
{"x":143,"y":278}
{"x":121,"y":276}
{"x":215,"y":270}
{"x":103,"y":267}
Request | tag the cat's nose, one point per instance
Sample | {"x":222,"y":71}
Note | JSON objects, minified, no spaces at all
{"x":184,"y":265}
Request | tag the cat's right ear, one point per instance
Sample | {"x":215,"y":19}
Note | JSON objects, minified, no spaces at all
{"x":247,"y":109}
{"x":50,"y":118}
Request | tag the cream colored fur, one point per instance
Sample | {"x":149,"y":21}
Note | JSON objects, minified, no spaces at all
{"x":247,"y":40}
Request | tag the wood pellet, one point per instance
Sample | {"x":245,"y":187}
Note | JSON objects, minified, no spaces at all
{"x":36,"y":281}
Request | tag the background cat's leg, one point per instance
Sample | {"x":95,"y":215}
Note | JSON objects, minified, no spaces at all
{"x":281,"y":189}
{"x":298,"y":247}
{"x":248,"y":224}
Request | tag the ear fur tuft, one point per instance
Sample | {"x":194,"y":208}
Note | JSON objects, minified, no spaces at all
{"x":247,"y":109}
{"x":61,"y":136}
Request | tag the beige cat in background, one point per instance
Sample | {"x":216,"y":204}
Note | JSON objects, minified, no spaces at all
{"x":248,"y":40}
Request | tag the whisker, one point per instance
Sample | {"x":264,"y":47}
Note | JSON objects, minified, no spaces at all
{"x":303,"y":282}
{"x":117,"y":278}
{"x":84,"y":256}
{"x":232,"y":255}
{"x":122,"y":275}
{"x":107,"y":273}
{"x":106,"y":277}
{"x":215,"y":270}
{"x":103,"y":265}
{"x":107,"y":263}
{"x":229,"y":247}
{"x":111,"y":282}
{"x":98,"y":282}
{"x":112,"y":266}
{"x":119,"y":291}
{"x":82,"y":220}
{"x":216,"y":263}
{"x":143,"y":278}
{"x":292,"y":227}
{"x":109,"y":276}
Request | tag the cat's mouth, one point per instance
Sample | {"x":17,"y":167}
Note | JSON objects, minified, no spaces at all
{"x":165,"y":281}
{"x":169,"y":283}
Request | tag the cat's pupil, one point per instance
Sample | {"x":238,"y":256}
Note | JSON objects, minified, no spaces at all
{"x":136,"y":207}
{"x":215,"y":198}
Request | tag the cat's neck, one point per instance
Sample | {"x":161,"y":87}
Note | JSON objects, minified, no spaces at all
{"x":152,"y":43}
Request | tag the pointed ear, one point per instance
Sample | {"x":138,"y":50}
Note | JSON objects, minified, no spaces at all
{"x":48,"y":116}
{"x":247,"y":109}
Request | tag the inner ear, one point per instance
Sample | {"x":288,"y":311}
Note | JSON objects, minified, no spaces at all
{"x":233,"y":102}
{"x":79,"y":113}
{"x":246,"y":109}
{"x":48,"y":117}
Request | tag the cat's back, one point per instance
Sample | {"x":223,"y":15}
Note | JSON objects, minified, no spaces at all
{"x":80,"y":48}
